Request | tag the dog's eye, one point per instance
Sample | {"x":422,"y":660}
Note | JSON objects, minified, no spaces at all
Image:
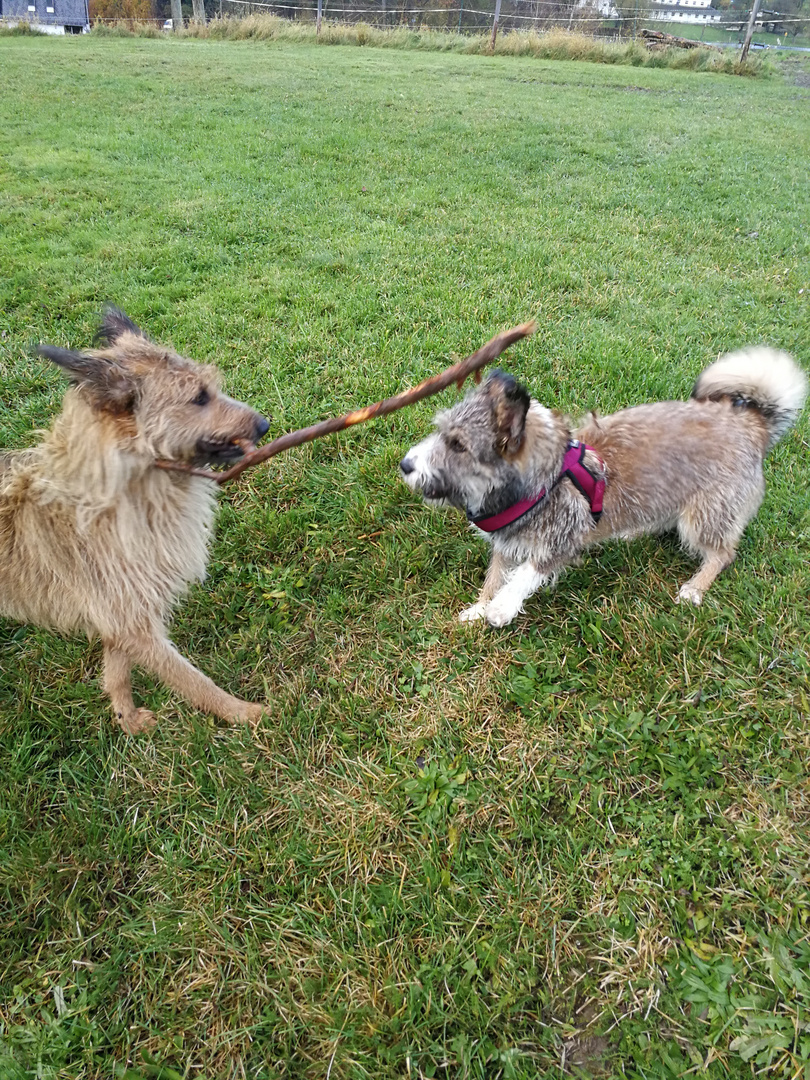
{"x":202,"y":398}
{"x":456,"y":445}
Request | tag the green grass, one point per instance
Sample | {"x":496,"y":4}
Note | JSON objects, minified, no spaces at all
{"x":576,"y":845}
{"x":711,"y":34}
{"x":554,"y":44}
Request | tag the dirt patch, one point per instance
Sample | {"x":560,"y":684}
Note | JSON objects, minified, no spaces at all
{"x":587,"y":1055}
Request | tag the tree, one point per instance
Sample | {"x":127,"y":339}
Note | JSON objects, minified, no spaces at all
{"x":120,"y":9}
{"x":794,"y":16}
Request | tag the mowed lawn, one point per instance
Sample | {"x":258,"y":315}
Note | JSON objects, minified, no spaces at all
{"x":576,"y":846}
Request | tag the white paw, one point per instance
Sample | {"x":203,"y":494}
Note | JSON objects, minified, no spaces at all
{"x":500,"y":614}
{"x":472,"y":614}
{"x":691,"y":594}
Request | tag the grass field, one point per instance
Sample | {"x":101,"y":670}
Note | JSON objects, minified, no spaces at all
{"x":553,"y":44}
{"x":719,"y":34}
{"x":578,"y":846}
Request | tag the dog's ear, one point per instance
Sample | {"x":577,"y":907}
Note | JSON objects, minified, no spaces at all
{"x":114,"y":323}
{"x":109,"y":386}
{"x":510,"y":403}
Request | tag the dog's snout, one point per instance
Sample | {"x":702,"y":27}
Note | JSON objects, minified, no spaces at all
{"x":262,"y":427}
{"x":406,"y":466}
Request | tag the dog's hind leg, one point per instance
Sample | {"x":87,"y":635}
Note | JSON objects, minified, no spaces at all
{"x":714,"y":534}
{"x":159,"y":656}
{"x":118,"y":685}
{"x":714,"y":563}
{"x":493,"y":582}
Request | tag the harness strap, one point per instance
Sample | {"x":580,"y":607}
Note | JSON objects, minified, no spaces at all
{"x":575,"y":469}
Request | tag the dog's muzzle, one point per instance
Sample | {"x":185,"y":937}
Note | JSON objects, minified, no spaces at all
{"x":411,"y":473}
{"x":222,"y":451}
{"x":431,"y":488}
{"x":213,"y":452}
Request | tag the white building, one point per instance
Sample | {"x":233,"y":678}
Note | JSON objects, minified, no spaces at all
{"x":47,"y":16}
{"x":685,"y":11}
{"x":698,"y":12}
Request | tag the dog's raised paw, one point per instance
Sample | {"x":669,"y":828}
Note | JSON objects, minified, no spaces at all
{"x":473,"y":613}
{"x":136,"y":721}
{"x":689,"y":594}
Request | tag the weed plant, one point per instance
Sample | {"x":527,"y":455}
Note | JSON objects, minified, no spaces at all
{"x":21,"y":29}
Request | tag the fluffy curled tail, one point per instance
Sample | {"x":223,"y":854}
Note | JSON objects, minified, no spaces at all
{"x":760,"y":378}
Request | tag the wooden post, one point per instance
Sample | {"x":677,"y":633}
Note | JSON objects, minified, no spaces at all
{"x":495,"y":18}
{"x":177,"y":15}
{"x":318,"y":20}
{"x":749,"y":33}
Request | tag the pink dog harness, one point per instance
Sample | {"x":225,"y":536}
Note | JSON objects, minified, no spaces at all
{"x":592,"y":487}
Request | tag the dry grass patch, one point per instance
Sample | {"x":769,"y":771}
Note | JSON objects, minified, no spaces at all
{"x":554,"y":44}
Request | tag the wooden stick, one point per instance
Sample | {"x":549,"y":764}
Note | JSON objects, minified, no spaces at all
{"x":455,"y":374}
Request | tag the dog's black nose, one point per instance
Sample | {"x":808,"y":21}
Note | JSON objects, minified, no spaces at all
{"x":262,"y":427}
{"x":406,"y":466}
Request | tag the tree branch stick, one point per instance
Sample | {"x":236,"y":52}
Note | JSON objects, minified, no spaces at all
{"x":455,"y":374}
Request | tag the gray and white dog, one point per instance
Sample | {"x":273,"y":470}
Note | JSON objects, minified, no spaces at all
{"x":541,"y":491}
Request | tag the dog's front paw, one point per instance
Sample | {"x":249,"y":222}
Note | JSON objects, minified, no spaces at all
{"x":136,"y":721}
{"x":473,"y":613}
{"x":689,"y":594}
{"x":500,"y":615}
{"x":248,"y":712}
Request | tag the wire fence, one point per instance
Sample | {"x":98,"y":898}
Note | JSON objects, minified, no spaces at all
{"x":458,"y":17}
{"x":598,"y":19}
{"x":592,"y":18}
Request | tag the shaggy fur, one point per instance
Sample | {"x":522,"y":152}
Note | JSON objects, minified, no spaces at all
{"x":695,"y":466}
{"x":95,"y":539}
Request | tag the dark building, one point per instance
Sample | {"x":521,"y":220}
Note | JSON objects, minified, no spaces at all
{"x":52,"y":16}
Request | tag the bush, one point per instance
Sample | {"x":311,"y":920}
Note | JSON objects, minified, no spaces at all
{"x":19,"y":30}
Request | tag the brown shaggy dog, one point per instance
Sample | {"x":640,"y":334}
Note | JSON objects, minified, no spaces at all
{"x":541,"y":490}
{"x":94,"y":538}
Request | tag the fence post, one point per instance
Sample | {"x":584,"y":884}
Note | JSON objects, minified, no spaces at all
{"x":495,"y":18}
{"x":749,"y":32}
{"x":318,"y":20}
{"x":460,"y":13}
